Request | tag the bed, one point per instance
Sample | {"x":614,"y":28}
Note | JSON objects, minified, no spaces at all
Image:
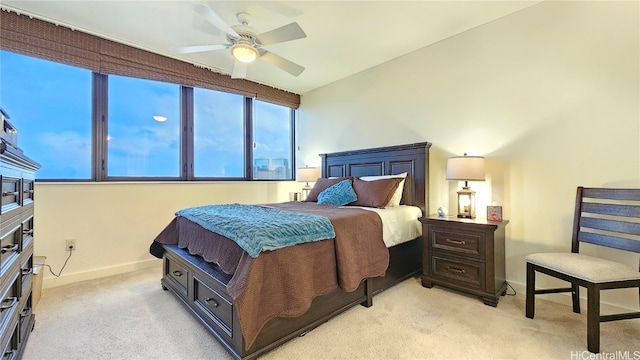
{"x":210,"y":291}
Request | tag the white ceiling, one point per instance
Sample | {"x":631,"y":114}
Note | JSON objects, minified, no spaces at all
{"x":343,"y":37}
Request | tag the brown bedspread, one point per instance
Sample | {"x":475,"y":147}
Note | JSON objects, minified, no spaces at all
{"x":283,"y":283}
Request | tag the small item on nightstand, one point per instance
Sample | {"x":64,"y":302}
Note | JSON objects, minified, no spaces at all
{"x":494,"y":213}
{"x":443,"y":211}
{"x":295,"y":196}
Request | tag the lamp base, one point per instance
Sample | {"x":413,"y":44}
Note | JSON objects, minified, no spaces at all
{"x":466,"y":203}
{"x":305,"y":192}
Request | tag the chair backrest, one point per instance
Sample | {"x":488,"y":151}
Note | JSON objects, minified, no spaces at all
{"x":607,"y":217}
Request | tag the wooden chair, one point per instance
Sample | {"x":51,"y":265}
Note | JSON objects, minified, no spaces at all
{"x":605,"y":217}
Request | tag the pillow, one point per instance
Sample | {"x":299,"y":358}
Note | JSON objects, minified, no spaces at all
{"x":339,"y":194}
{"x":374,"y":193}
{"x":397,"y":195}
{"x":321,"y":185}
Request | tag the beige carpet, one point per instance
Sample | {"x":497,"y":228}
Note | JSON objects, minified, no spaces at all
{"x":130,"y":317}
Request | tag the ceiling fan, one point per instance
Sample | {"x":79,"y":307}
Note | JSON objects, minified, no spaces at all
{"x":246,"y":44}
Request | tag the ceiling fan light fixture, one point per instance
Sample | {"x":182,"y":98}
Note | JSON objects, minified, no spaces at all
{"x":244,"y":53}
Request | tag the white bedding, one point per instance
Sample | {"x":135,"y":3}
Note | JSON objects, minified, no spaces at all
{"x":399,"y":223}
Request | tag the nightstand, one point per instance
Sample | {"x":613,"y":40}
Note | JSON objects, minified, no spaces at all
{"x":465,"y":255}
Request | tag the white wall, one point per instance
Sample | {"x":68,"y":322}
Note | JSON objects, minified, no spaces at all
{"x":115,"y":223}
{"x":549,"y":95}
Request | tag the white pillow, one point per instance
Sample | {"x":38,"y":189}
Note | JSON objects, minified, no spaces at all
{"x":397,"y":195}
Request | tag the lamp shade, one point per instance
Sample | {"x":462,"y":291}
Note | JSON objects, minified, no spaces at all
{"x":308,"y":174}
{"x":466,"y":168}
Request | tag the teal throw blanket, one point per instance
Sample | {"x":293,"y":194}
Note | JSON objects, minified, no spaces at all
{"x":258,"y":228}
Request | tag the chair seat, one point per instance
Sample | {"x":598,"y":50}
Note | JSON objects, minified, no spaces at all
{"x":585,"y":267}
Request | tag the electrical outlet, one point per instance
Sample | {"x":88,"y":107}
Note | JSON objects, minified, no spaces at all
{"x":70,"y":244}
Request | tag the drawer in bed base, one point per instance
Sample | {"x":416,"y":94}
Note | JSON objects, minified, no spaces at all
{"x":214,"y":305}
{"x":177,"y":275}
{"x":204,"y":281}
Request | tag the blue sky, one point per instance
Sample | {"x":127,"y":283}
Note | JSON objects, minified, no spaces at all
{"x":53,"y":121}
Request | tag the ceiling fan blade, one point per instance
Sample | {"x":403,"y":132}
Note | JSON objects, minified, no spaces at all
{"x":200,"y":48}
{"x":239,"y":70}
{"x":284,"y":64}
{"x":214,"y":19}
{"x":289,"y":32}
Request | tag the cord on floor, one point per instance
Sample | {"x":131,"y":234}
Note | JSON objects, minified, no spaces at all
{"x":65,"y":264}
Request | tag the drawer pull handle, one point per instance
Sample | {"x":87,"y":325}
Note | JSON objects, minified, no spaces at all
{"x":8,"y":303}
{"x":26,"y":312}
{"x":27,"y":231}
{"x":177,"y":273}
{"x":212,"y":302}
{"x":9,"y":193}
{"x":455,"y":270}
{"x":28,"y":191}
{"x":27,"y":271}
{"x":457,"y":242}
{"x":9,"y":248}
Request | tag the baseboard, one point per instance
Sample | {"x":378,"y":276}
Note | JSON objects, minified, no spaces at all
{"x":99,"y":273}
{"x":565,"y":299}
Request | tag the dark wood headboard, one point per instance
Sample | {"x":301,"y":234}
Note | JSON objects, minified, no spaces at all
{"x":390,"y":160}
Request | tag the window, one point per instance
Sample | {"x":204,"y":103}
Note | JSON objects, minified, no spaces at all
{"x":87,"y":126}
{"x":143,"y":128}
{"x":50,"y":106}
{"x":219,"y":136}
{"x":272,"y":141}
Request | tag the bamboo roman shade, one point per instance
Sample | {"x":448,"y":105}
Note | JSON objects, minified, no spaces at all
{"x":38,"y":38}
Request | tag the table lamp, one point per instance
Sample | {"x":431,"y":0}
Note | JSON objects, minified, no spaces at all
{"x":306,"y":175}
{"x":466,"y":168}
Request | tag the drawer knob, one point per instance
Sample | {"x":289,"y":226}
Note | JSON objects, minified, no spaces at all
{"x":177,"y":273}
{"x":212,"y":302}
{"x":455,"y":270}
{"x":9,"y":193}
{"x":9,"y":248}
{"x":26,"y":312}
{"x":457,"y":242}
{"x":8,"y":303}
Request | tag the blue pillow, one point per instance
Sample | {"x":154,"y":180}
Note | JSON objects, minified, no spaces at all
{"x":338,"y":194}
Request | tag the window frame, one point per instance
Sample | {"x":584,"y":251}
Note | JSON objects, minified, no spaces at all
{"x":187,"y":151}
{"x":99,"y":147}
{"x":292,"y":131}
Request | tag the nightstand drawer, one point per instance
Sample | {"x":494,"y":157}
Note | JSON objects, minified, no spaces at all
{"x":469,"y":274}
{"x":468,"y":244}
